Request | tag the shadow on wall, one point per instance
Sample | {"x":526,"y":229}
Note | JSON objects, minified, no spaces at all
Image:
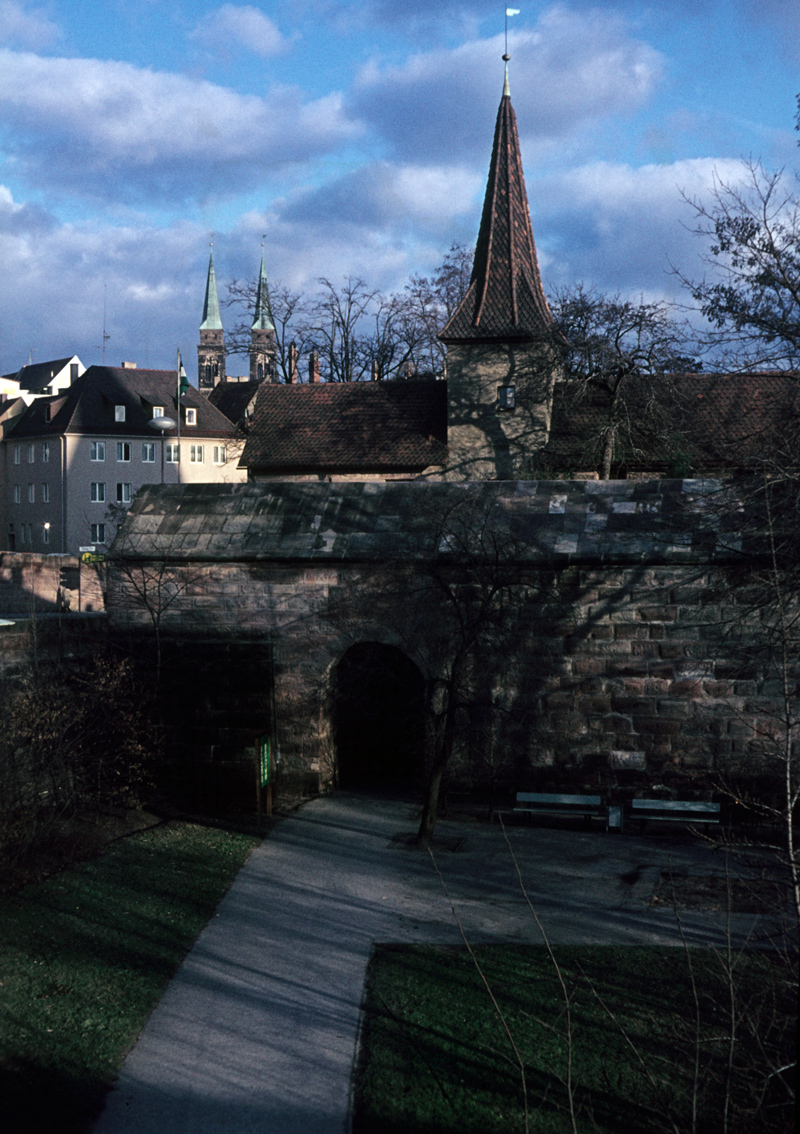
{"x":49,"y":584}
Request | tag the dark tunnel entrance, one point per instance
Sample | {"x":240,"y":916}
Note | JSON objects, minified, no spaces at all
{"x":379,"y":701}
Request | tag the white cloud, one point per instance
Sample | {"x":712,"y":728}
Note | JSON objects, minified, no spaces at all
{"x":239,"y":26}
{"x":623,"y":228}
{"x":571,"y":70}
{"x":115,"y":130}
{"x":384,"y":195}
{"x":25,"y":26}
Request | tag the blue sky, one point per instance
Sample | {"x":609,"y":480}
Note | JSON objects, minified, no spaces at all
{"x":355,"y":138}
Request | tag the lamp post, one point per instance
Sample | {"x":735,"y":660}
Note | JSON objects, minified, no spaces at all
{"x":162,"y":424}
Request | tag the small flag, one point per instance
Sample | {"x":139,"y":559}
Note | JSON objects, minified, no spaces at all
{"x":183,"y":381}
{"x":512,"y":11}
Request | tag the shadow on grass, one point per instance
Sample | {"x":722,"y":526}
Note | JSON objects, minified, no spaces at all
{"x":434,"y":1058}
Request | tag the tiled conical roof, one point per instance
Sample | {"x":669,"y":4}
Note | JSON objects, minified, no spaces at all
{"x":505,"y":300}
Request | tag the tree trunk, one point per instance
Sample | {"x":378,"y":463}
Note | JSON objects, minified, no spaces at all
{"x":608,"y":454}
{"x":440,"y":762}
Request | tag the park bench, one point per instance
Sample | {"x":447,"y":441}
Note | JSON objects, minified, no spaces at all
{"x":692,"y":812}
{"x":545,"y":803}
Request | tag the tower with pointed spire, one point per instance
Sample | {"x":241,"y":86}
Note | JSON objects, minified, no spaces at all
{"x":501,"y":346}
{"x":211,"y":351}
{"x":262,"y":334}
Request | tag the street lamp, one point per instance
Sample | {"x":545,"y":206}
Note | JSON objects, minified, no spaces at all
{"x":162,"y":424}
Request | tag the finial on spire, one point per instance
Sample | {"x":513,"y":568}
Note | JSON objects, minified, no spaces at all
{"x":506,"y":56}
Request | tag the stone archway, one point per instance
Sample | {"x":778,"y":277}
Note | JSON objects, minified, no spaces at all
{"x":378,"y":718}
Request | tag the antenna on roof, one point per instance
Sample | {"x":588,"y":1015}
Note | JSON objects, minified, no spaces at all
{"x":105,"y":336}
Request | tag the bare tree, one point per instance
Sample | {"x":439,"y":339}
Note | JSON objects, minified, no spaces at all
{"x":751,"y":297}
{"x":432,"y":301}
{"x":289,"y":314}
{"x":617,"y":359}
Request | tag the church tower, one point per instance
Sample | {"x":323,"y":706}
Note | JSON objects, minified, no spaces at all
{"x":262,"y":334}
{"x":501,"y":350}
{"x":211,"y":351}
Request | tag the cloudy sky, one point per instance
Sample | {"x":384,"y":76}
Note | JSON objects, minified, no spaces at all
{"x":354,"y":139}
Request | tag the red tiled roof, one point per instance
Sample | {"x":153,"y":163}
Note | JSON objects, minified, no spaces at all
{"x":348,"y":427}
{"x":714,"y":421}
{"x":506,"y":298}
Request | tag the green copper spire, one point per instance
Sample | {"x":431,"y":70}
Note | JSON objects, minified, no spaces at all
{"x":263,"y":320}
{"x":212,"y":320}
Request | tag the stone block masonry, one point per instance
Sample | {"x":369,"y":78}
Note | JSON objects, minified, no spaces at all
{"x":31,"y":584}
{"x":616,"y":658}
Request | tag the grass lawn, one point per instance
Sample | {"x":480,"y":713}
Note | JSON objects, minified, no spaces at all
{"x":84,"y":958}
{"x":435,"y":1058}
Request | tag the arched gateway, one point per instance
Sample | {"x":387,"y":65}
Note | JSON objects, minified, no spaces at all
{"x":378,"y":718}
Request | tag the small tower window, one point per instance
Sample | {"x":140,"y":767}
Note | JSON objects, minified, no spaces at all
{"x":506,"y":397}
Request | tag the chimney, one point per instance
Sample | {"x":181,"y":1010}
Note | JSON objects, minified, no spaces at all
{"x":292,"y":361}
{"x":128,"y":365}
{"x":314,"y":374}
{"x":376,"y":371}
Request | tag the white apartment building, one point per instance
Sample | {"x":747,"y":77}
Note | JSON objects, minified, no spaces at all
{"x":73,"y":461}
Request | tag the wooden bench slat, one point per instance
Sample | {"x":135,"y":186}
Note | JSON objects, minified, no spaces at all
{"x":547,"y":797}
{"x":676,"y":810}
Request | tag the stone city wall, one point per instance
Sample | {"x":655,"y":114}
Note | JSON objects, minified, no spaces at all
{"x":605,"y":671}
{"x":32,"y":584}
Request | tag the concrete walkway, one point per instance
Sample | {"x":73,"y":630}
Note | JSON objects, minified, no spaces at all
{"x":257,"y":1032}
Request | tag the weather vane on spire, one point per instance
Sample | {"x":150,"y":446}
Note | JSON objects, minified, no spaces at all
{"x":509,"y":12}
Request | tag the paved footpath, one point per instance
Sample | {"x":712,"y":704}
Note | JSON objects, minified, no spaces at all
{"x":257,"y":1032}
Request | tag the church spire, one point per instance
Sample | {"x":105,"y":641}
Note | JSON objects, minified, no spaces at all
{"x":505,"y":301}
{"x":262,"y":333}
{"x":212,"y":320}
{"x":263,"y":320}
{"x":211,"y":351}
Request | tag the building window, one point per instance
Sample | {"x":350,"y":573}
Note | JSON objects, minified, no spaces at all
{"x":195,"y":454}
{"x":73,"y":371}
{"x":45,"y":452}
{"x":191,"y":416}
{"x":506,"y":397}
{"x":148,"y":452}
{"x":45,"y":494}
{"x":123,"y":494}
{"x":119,"y":413}
{"x":17,"y":454}
{"x":219,"y":454}
{"x":17,"y":494}
{"x":97,"y":451}
{"x":98,"y":492}
{"x":98,"y":533}
{"x":45,"y":533}
{"x":123,"y":450}
{"x":31,"y":453}
{"x":158,"y":411}
{"x":172,"y":453}
{"x":31,"y":493}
